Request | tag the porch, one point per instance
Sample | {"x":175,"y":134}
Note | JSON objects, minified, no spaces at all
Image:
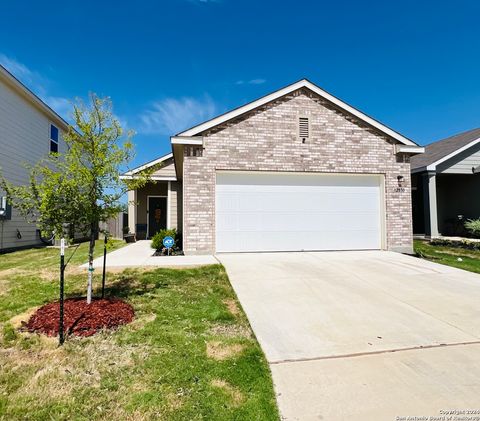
{"x":154,"y":207}
{"x":442,"y":202}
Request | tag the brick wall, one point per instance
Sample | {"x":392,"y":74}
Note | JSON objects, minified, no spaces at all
{"x":267,"y":140}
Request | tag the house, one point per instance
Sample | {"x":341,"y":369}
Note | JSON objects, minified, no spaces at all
{"x":298,"y":169}
{"x":29,"y":130}
{"x":446,"y":185}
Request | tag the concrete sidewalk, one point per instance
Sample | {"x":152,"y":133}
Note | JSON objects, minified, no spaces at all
{"x":140,"y":254}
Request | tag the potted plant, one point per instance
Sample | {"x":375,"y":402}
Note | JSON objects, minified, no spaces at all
{"x":128,"y":236}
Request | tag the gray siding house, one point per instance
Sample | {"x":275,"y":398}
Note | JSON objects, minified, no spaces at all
{"x":446,"y":185}
{"x":29,"y":129}
{"x":297,"y":169}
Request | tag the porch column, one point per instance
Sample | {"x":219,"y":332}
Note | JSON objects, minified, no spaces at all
{"x":132,"y":211}
{"x":169,"y":205}
{"x":430,"y":204}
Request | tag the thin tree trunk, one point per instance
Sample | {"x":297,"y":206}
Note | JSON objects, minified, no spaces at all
{"x":90,"y":263}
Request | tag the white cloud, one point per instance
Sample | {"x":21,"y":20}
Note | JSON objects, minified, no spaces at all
{"x":19,"y":70}
{"x":36,"y":83}
{"x":250,"y":82}
{"x":171,"y":115}
{"x":62,"y":106}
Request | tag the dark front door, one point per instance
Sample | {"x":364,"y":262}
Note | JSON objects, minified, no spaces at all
{"x":157,"y":215}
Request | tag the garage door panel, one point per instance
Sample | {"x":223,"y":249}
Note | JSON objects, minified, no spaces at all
{"x":324,"y":221}
{"x":280,"y":212}
{"x":275,"y":241}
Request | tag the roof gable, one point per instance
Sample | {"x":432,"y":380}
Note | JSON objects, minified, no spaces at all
{"x":304,"y":83}
{"x":165,"y":172}
{"x":441,"y":150}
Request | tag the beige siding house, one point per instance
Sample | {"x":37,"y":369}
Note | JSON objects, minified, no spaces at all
{"x":295,"y":170}
{"x":29,"y":130}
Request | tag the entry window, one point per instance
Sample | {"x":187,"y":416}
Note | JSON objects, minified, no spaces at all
{"x":53,"y":139}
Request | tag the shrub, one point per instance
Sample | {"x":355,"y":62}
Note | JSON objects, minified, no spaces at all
{"x":464,"y":244}
{"x":473,"y":226}
{"x":157,"y":239}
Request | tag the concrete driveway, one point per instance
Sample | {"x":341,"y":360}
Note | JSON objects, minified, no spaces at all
{"x":368,"y":335}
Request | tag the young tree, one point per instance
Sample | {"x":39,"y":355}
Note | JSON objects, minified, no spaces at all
{"x":80,"y":187}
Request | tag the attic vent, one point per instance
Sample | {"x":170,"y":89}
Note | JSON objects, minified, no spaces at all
{"x":303,"y":128}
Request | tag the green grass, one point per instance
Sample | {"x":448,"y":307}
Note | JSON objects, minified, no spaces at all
{"x":470,"y":259}
{"x":188,"y":355}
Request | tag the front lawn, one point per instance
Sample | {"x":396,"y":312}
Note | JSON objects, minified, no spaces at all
{"x":451,"y":256}
{"x":188,"y":355}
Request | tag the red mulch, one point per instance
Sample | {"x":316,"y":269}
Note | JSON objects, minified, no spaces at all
{"x":80,"y":318}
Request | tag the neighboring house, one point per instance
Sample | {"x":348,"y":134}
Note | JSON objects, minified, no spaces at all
{"x":29,"y":130}
{"x":446,"y":185}
{"x":295,"y":170}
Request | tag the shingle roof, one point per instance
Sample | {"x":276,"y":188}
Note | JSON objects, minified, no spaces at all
{"x":441,"y":148}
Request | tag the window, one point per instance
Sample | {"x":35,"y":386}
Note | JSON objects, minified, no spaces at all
{"x":53,"y":138}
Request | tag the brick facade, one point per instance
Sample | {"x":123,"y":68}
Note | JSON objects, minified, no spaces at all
{"x":266,"y":139}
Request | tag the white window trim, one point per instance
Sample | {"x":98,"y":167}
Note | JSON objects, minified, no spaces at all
{"x":57,"y":142}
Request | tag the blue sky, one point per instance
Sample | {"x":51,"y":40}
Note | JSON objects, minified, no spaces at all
{"x":170,"y":64}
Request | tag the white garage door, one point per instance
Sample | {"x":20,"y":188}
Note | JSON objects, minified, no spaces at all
{"x":285,"y":212}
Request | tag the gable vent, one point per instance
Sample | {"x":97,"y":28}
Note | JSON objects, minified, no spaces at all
{"x":303,"y":128}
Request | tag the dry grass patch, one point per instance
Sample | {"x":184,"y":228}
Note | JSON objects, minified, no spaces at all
{"x":57,"y":371}
{"x":221,"y":351}
{"x":235,"y":396}
{"x":232,"y":306}
{"x":140,"y":321}
{"x":231,"y":331}
{"x":4,"y":286}
{"x":17,"y":321}
{"x":174,"y":401}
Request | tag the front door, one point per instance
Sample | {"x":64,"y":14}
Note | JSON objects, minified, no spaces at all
{"x":157,"y":215}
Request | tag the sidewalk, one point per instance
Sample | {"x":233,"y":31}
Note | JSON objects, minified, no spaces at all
{"x":139,"y":254}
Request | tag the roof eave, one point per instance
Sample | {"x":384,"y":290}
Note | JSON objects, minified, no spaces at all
{"x":148,"y":164}
{"x":12,"y":81}
{"x":413,"y":150}
{"x":153,"y":177}
{"x":178,"y":147}
{"x":433,"y":165}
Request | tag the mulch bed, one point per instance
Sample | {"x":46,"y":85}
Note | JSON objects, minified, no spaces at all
{"x":80,"y":318}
